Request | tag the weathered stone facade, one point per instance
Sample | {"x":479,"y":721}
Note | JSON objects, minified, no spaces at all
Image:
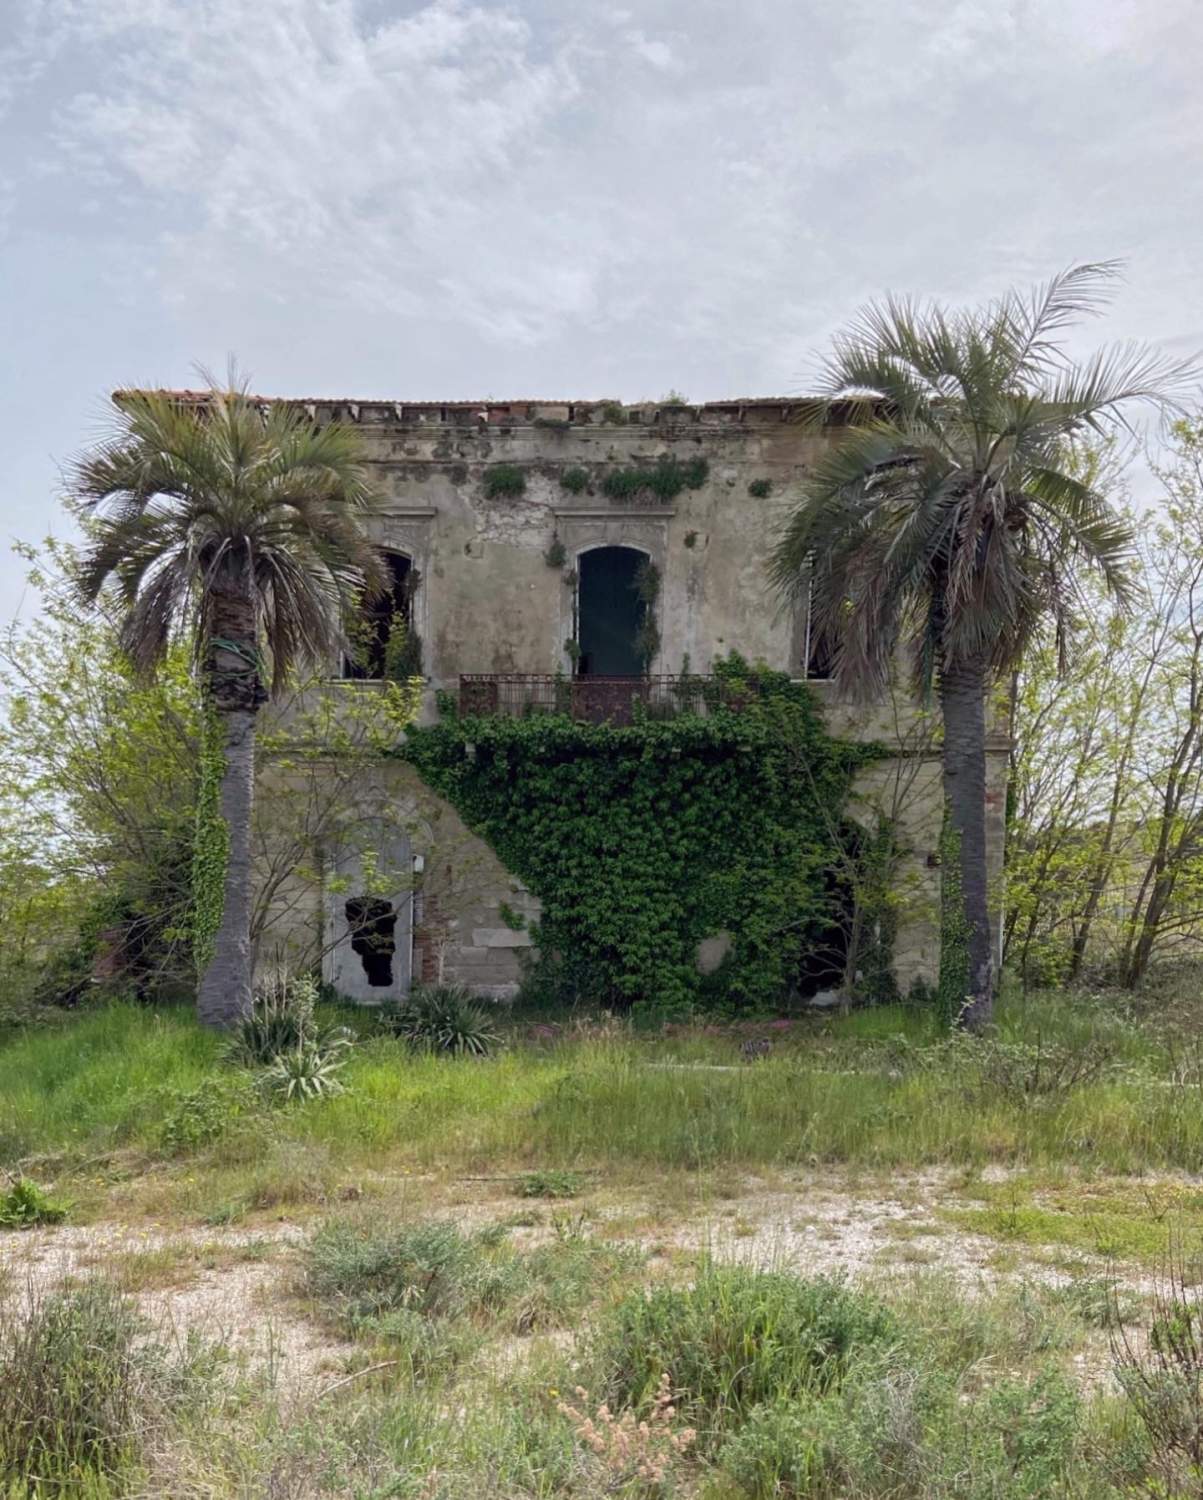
{"x":497,"y":592}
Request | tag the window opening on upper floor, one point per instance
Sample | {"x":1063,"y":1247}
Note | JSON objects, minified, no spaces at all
{"x":611,"y":613}
{"x":384,"y":642}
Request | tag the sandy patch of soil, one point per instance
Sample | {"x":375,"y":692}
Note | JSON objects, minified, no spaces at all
{"x":227,"y":1285}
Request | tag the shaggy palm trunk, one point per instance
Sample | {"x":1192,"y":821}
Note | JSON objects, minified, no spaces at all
{"x":963,"y":705}
{"x":224,"y":996}
{"x":236,"y":691}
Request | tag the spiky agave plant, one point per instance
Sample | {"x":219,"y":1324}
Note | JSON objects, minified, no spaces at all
{"x":442,"y":1018}
{"x":310,"y":1069}
{"x":238,"y":524}
{"x":947,"y":516}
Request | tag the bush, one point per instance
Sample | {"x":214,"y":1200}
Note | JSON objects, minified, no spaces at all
{"x":80,"y":1388}
{"x":442,"y":1018}
{"x":550,"y":1183}
{"x":368,"y":1271}
{"x":782,"y":1449}
{"x":376,"y":1278}
{"x":26,"y":1204}
{"x":1162,"y":1376}
{"x":502,"y":481}
{"x":202,"y":1115}
{"x":665,"y":479}
{"x":735,"y":1340}
{"x":575,"y":480}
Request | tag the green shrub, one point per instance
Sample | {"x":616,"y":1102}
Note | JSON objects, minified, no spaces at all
{"x":550,"y":1183}
{"x":501,"y":481}
{"x":760,"y":489}
{"x":26,"y":1204}
{"x":575,"y":480}
{"x":365,"y":1271}
{"x":376,"y":1278}
{"x":736,"y":1339}
{"x":782,"y":1449}
{"x":665,"y":479}
{"x":199,"y":1116}
{"x":442,"y":1018}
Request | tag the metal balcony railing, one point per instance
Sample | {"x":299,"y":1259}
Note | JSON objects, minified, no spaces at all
{"x":594,"y":700}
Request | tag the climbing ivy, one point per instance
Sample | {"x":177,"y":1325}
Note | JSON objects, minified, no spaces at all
{"x":642,"y":840}
{"x":211,"y":843}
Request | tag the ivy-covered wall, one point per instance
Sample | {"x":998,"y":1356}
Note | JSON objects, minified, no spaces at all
{"x":640,"y":841}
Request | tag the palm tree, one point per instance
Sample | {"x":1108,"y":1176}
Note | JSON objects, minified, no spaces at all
{"x":947,"y":516}
{"x":237,"y":524}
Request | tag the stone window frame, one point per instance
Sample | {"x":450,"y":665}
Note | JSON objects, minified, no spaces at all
{"x":582,"y":531}
{"x":407,"y":533}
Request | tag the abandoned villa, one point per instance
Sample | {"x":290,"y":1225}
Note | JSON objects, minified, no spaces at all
{"x":520,"y":559}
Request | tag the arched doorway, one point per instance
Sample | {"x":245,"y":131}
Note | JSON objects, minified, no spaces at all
{"x":610,"y":612}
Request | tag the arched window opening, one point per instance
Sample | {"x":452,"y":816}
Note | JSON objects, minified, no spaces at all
{"x":616,"y":634}
{"x":384,"y":643}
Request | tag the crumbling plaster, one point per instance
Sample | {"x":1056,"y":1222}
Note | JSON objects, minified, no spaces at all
{"x":489,"y":602}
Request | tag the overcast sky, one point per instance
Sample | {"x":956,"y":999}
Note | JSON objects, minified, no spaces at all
{"x":557,"y":197}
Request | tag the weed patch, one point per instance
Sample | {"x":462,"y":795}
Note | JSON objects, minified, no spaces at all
{"x":81,"y":1389}
{"x":26,"y":1204}
{"x":736,"y":1339}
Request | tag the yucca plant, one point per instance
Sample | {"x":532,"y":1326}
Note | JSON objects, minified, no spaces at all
{"x":310,"y":1069}
{"x":442,"y":1018}
{"x":281,"y":1018}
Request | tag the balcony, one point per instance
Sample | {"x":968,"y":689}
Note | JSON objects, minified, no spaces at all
{"x":595,"y":700}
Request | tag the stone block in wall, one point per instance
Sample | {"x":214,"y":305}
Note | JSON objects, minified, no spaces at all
{"x":500,"y":937}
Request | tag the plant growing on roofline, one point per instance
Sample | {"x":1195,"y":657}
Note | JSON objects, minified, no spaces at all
{"x":240,"y":526}
{"x":946,"y":516}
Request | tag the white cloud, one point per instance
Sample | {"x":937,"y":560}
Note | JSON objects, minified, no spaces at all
{"x":672,"y":176}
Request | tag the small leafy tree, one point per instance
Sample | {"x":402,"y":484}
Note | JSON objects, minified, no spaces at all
{"x":97,"y":793}
{"x":944,"y":516}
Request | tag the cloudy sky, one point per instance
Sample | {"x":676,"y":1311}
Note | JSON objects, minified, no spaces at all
{"x":557,"y":197}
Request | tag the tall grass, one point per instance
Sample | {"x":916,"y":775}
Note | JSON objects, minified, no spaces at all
{"x":877,"y":1089}
{"x":103,"y":1081}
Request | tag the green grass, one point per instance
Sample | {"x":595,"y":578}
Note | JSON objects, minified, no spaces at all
{"x":481,"y":1342}
{"x":876,"y":1089}
{"x":1131,"y":1221}
{"x":106,"y":1080}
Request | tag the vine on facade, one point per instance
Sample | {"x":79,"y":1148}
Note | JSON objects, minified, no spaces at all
{"x":642,"y":840}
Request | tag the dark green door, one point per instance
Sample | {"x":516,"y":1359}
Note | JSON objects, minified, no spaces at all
{"x":610,"y":612}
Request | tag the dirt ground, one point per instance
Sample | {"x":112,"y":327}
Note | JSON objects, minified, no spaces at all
{"x":239,"y":1285}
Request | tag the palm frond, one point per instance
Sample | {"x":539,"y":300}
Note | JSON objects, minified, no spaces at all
{"x":190,"y":500}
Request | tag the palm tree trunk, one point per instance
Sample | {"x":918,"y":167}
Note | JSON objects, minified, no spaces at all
{"x":235,"y":691}
{"x":224,"y":996}
{"x":963,"y":704}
